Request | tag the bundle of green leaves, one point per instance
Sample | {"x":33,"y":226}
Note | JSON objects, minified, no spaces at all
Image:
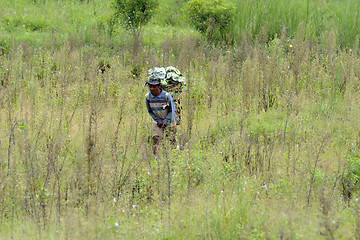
{"x":169,"y":75}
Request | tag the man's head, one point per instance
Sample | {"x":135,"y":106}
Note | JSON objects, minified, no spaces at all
{"x":154,"y":85}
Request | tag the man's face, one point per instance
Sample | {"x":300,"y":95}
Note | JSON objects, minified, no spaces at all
{"x":155,"y":89}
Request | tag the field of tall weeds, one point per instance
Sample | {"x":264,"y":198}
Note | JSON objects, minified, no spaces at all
{"x":268,"y":147}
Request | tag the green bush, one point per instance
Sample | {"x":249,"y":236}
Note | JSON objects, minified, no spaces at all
{"x":133,"y":14}
{"x":211,"y":18}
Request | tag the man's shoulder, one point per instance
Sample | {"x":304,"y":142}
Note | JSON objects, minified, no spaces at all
{"x":166,"y":94}
{"x":147,"y":96}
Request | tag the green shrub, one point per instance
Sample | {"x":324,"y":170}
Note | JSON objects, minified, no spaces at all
{"x":211,"y":18}
{"x":133,"y":14}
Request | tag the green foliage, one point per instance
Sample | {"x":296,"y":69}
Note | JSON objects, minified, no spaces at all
{"x":4,"y":47}
{"x":266,"y":125}
{"x":351,"y":176}
{"x":105,"y":23}
{"x":345,"y":17}
{"x":169,"y":13}
{"x":211,"y":17}
{"x":27,"y":23}
{"x":134,"y":14}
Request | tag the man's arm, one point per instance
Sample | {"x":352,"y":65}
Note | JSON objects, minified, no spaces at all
{"x":171,"y":114}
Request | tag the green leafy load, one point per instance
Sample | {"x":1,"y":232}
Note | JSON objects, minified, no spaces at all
{"x":169,"y":75}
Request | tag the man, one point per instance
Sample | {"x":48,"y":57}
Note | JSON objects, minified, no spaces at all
{"x":161,"y":108}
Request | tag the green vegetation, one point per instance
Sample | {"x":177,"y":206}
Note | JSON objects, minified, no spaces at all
{"x":211,"y":17}
{"x":134,"y":14}
{"x":268,"y":144}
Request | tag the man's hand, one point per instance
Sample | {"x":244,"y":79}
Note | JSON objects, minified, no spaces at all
{"x":160,"y":124}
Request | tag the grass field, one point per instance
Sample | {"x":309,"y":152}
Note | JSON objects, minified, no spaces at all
{"x":268,"y":146}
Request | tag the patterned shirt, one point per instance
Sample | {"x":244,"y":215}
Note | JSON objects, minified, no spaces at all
{"x":161,"y":108}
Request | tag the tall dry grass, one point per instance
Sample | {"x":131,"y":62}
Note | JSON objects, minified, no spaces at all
{"x":265,"y":145}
